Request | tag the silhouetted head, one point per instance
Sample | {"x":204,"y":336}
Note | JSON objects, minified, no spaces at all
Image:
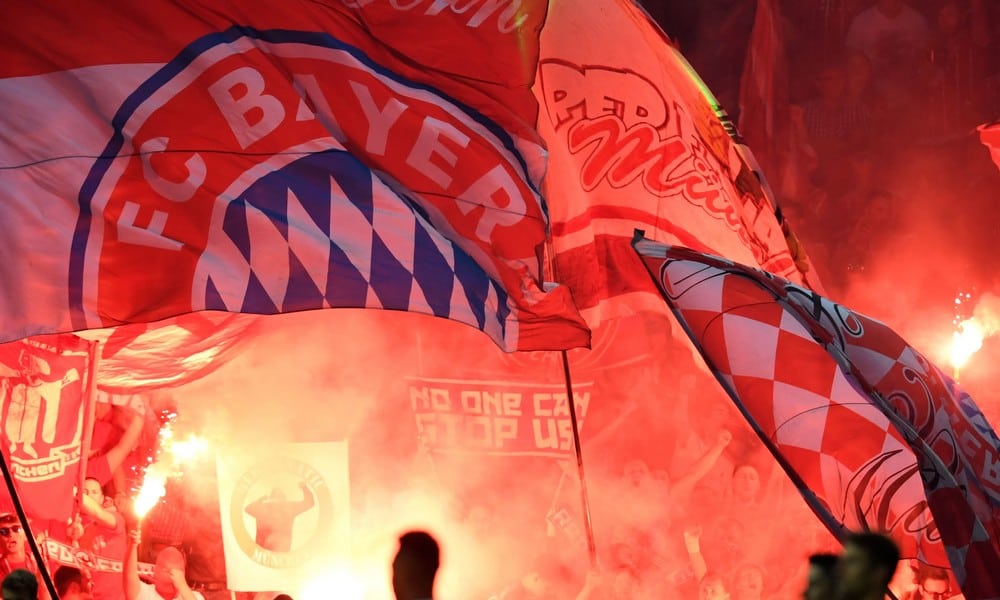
{"x":277,"y":494}
{"x":867,"y":566}
{"x":822,"y":577}
{"x":415,"y":566}
{"x":20,"y":584}
{"x":70,"y":583}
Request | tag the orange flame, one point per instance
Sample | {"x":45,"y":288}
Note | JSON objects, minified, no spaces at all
{"x":154,"y":487}
{"x":174,"y":454}
{"x":966,"y":341}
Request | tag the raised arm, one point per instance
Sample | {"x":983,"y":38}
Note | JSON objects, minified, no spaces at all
{"x":128,"y":440}
{"x":692,"y":543}
{"x":684,"y":485}
{"x":105,"y":517}
{"x":130,"y":566}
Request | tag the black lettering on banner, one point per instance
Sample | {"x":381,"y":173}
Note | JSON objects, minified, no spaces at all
{"x":504,"y":418}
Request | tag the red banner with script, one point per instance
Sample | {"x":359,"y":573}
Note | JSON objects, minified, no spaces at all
{"x":43,"y":384}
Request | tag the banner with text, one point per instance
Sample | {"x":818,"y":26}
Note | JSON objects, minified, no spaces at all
{"x":43,"y":381}
{"x":286,"y":512}
{"x":505,"y":418}
{"x":64,"y":554}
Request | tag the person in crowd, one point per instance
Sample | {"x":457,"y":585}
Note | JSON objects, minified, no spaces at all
{"x":20,"y":584}
{"x":102,"y":533}
{"x":415,"y":566}
{"x":958,"y":65}
{"x":169,"y":582}
{"x":712,"y":587}
{"x":932,"y":584}
{"x":116,"y":433}
{"x":71,"y":584}
{"x":14,"y":554}
{"x":822,"y":577}
{"x":891,"y":34}
{"x":867,"y":566}
{"x":748,"y":582}
{"x":836,"y":125}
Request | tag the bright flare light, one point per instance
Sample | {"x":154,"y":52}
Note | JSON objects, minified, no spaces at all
{"x":965,"y":342}
{"x":339,"y":582}
{"x":174,"y":453}
{"x":187,"y":450}
{"x":154,"y":487}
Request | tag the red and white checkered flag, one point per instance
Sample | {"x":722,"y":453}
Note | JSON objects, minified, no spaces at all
{"x":874,"y":436}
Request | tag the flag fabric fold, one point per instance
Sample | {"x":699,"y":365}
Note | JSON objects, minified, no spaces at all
{"x":989,"y":135}
{"x":636,"y":140}
{"x":296,"y":156}
{"x":43,"y":387}
{"x":873,"y":434}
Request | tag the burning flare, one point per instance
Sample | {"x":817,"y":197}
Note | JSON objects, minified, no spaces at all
{"x":154,"y":487}
{"x":965,"y":342}
{"x":173,"y":454}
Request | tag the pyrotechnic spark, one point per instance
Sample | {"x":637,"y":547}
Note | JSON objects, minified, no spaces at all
{"x":173,"y":454}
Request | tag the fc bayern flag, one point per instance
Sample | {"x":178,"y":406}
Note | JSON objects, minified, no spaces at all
{"x":43,"y":383}
{"x":874,"y":435}
{"x":161,"y":158}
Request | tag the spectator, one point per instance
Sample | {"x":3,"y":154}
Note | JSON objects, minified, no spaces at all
{"x":836,"y":123}
{"x":71,"y":584}
{"x":415,"y":566}
{"x":748,"y":583}
{"x":20,"y":584}
{"x":822,"y":582}
{"x":169,"y":581}
{"x":103,"y":536}
{"x":867,"y":566}
{"x":891,"y":34}
{"x":14,"y":553}
{"x":712,"y":587}
{"x":932,"y":584}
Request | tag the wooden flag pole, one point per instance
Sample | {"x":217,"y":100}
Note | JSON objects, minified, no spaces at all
{"x":584,"y":497}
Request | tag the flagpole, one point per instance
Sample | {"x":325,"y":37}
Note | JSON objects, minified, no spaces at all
{"x":90,"y":406}
{"x":574,"y":422}
{"x":43,"y":569}
{"x":584,"y":497}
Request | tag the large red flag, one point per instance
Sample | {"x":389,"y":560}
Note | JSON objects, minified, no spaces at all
{"x":873,"y":434}
{"x":161,"y":158}
{"x":636,"y":140}
{"x":43,"y":384}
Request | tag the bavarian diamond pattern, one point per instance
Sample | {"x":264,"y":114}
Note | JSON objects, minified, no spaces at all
{"x":350,"y":240}
{"x":876,"y":442}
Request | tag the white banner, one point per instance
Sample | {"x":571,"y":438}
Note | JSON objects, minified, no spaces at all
{"x":285,"y":513}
